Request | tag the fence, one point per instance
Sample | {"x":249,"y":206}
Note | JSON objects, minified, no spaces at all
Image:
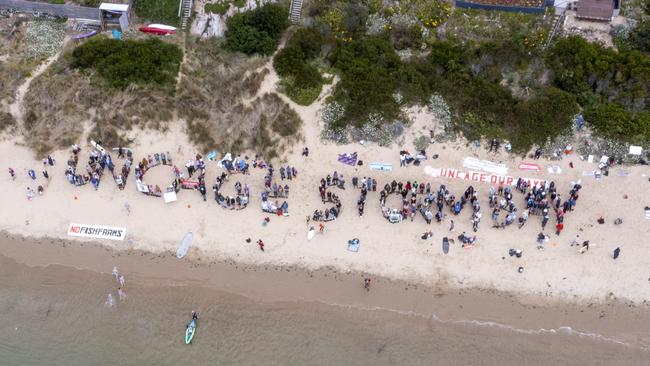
{"x":516,"y":9}
{"x":69,"y":11}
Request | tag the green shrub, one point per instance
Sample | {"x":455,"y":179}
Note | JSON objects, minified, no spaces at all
{"x":121,"y":63}
{"x":249,"y":40}
{"x":308,"y":40}
{"x":307,"y":76}
{"x":585,"y":68}
{"x":220,"y":7}
{"x":640,"y":37}
{"x":368,"y":68}
{"x":298,"y":93}
{"x":273,"y":19}
{"x":614,"y":121}
{"x":288,"y":60}
{"x":159,"y":11}
{"x":257,"y":31}
{"x":301,"y":80}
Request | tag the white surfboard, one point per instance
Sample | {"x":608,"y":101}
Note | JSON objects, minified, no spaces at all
{"x":185,"y":246}
{"x":311,"y":233}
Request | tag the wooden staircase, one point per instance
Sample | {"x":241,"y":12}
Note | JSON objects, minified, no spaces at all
{"x":558,"y":22}
{"x":294,"y":11}
{"x":185,"y":12}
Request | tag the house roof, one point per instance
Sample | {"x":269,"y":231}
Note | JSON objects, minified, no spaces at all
{"x":114,"y":7}
{"x":595,"y":9}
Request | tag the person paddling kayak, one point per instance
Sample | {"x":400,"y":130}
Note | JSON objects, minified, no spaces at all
{"x":191,"y":328}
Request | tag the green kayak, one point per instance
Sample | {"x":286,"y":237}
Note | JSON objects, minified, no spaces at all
{"x":190,"y":331}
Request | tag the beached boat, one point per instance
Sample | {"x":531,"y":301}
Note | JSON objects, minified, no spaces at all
{"x":158,"y":29}
{"x":85,"y":35}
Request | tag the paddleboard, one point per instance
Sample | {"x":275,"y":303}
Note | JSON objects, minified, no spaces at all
{"x":97,"y":147}
{"x":445,"y":245}
{"x":381,"y":167}
{"x":190,"y":331}
{"x":311,"y":233}
{"x":185,"y":246}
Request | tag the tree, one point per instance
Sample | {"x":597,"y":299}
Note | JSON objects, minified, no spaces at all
{"x":614,"y":121}
{"x":308,"y":40}
{"x":288,"y":60}
{"x":273,"y":19}
{"x":640,"y":36}
{"x":249,"y":40}
{"x":256,"y":31}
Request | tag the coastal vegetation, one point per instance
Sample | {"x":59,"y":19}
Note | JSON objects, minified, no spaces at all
{"x":502,"y":80}
{"x":211,"y":99}
{"x":257,"y":31}
{"x":301,"y":79}
{"x":221,"y":7}
{"x":157,"y":11}
{"x":217,"y":95}
{"x":127,"y":62}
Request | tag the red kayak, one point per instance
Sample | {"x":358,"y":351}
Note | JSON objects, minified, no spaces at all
{"x":158,"y":29}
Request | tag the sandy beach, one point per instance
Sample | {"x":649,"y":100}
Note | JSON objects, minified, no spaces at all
{"x":391,"y":250}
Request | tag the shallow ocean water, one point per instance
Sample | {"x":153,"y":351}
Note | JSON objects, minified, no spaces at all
{"x":56,"y":316}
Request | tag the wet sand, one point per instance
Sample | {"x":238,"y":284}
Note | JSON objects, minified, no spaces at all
{"x":612,"y":322}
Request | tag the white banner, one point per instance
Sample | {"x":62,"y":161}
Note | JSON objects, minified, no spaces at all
{"x":475,"y":176}
{"x":486,"y":165}
{"x":96,"y":231}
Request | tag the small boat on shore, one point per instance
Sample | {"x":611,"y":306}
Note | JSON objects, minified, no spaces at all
{"x":158,"y":29}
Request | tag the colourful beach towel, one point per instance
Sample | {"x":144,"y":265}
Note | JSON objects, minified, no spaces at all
{"x":353,"y":245}
{"x":212,"y":155}
{"x":349,"y":159}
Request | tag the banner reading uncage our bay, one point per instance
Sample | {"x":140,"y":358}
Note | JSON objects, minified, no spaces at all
{"x":474,"y":176}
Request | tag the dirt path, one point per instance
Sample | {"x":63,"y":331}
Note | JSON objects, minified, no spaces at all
{"x":16,"y":108}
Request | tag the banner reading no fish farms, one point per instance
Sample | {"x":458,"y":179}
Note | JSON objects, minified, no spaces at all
{"x":96,"y":231}
{"x":474,"y":176}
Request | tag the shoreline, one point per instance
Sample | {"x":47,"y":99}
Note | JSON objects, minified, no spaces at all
{"x":613,"y":321}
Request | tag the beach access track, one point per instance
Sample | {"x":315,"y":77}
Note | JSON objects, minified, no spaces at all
{"x":61,"y":10}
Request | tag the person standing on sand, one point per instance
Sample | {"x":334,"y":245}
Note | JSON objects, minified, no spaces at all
{"x":558,"y":228}
{"x":451,"y":227}
{"x":575,"y":240}
{"x":366,"y":284}
{"x":261,"y":244}
{"x":12,"y":173}
{"x":190,"y":167}
{"x":321,"y":228}
{"x":122,"y":281}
